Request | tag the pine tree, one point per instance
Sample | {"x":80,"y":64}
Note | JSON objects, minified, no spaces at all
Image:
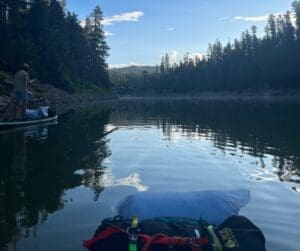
{"x":58,"y":49}
{"x":296,"y":7}
{"x":162,"y":66}
{"x":270,"y":29}
{"x":167,"y":63}
{"x":186,"y":59}
{"x":3,"y":16}
{"x":97,"y":48}
{"x":63,"y":4}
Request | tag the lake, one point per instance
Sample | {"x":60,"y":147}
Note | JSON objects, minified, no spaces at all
{"x":57,"y":182}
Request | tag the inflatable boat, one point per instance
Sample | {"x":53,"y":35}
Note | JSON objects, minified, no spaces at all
{"x":179,"y":221}
{"x":36,"y":116}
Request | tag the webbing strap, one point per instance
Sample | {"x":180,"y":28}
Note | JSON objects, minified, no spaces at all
{"x":102,"y":236}
{"x":194,"y":244}
{"x":133,"y":234}
{"x":132,"y":246}
{"x":214,"y":238}
{"x":150,"y":241}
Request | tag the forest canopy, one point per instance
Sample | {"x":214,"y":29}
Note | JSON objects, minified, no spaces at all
{"x":251,"y":63}
{"x":64,"y":52}
{"x":58,"y":48}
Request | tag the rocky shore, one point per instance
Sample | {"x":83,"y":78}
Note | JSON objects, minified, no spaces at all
{"x":233,"y":95}
{"x":48,"y":95}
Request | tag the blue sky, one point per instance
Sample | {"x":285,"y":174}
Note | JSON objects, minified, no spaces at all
{"x":141,"y":31}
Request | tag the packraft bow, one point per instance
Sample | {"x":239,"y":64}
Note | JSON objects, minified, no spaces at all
{"x":236,"y":233}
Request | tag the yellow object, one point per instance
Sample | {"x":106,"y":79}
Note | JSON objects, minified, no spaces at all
{"x":214,"y":238}
{"x":135,"y":222}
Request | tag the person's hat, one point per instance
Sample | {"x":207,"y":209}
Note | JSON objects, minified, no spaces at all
{"x":25,"y":66}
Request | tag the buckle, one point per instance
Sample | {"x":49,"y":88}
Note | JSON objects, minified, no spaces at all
{"x":132,"y":233}
{"x":194,"y":243}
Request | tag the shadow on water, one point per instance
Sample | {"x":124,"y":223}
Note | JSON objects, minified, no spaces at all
{"x":38,"y":164}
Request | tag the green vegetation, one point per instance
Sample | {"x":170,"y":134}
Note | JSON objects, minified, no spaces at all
{"x":58,"y":48}
{"x":246,"y":64}
{"x":72,"y":56}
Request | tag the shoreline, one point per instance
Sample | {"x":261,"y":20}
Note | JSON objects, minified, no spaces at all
{"x":221,"y":96}
{"x":64,"y":101}
{"x":263,"y":98}
{"x":61,"y":100}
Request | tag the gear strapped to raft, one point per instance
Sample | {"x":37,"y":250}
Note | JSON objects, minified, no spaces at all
{"x":236,"y":233}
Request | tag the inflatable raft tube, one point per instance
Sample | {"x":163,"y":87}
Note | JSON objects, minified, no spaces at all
{"x":26,"y":122}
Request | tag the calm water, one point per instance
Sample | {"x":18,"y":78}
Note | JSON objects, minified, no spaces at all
{"x":58,"y":181}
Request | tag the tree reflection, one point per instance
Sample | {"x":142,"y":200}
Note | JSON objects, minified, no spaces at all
{"x":34,"y":174}
{"x":255,"y":128}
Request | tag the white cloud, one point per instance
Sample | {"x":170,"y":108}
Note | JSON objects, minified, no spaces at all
{"x":133,"y":16}
{"x":173,"y":56}
{"x":294,"y":19}
{"x":170,"y":29}
{"x":82,"y":23}
{"x":196,"y":55}
{"x":223,"y":19}
{"x":262,"y":18}
{"x":108,"y":34}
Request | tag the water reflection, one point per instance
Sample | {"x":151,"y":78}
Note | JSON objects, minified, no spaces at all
{"x":40,"y":164}
{"x":98,"y":179}
{"x":34,"y":173}
{"x":38,"y":132}
{"x":262,"y":130}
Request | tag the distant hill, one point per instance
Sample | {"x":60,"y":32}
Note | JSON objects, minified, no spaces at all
{"x":133,"y":69}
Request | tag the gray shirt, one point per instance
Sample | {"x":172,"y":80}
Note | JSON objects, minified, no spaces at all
{"x":21,"y":81}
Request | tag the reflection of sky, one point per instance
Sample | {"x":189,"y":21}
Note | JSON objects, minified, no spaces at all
{"x":180,"y":160}
{"x":109,"y":128}
{"x":268,"y":165}
{"x":296,"y":189}
{"x":137,"y":148}
{"x":107,"y":179}
{"x":145,"y":150}
{"x":158,"y":158}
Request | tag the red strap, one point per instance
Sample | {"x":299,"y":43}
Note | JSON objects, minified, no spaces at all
{"x":161,"y":239}
{"x":158,"y":239}
{"x":103,"y":235}
{"x":151,"y":240}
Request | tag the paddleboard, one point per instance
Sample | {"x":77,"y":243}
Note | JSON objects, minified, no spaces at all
{"x":26,"y":122}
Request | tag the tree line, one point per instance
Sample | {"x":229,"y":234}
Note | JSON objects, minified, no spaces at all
{"x":58,"y":48}
{"x":250,"y":63}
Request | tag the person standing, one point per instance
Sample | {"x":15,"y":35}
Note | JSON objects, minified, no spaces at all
{"x":21,"y":92}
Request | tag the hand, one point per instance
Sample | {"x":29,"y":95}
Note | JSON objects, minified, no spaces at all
{"x":35,"y":81}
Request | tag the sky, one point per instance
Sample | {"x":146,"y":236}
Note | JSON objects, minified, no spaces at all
{"x":140,"y":32}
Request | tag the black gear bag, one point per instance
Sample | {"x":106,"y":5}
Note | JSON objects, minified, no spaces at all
{"x":237,"y":233}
